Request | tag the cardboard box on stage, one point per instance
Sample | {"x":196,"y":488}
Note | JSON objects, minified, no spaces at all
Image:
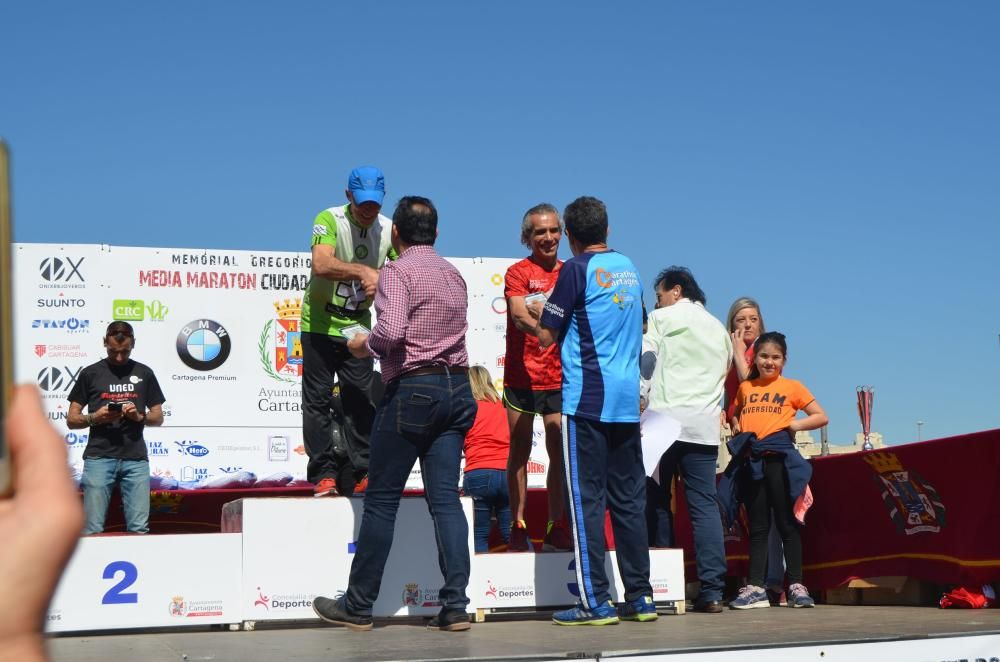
{"x":885,"y":591}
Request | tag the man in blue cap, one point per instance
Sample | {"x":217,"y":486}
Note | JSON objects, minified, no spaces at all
{"x":349,"y":244}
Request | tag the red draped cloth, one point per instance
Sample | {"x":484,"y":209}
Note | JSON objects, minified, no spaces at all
{"x":927,"y":510}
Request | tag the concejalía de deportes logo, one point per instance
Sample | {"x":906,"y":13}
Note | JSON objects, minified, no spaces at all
{"x":203,"y":344}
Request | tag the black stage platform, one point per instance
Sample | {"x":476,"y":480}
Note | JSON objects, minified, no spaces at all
{"x":772,"y":634}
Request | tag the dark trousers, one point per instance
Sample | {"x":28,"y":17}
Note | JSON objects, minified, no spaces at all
{"x":323,"y":357}
{"x":604,"y":471}
{"x":695,"y":463}
{"x":421,"y":418}
{"x":764,"y":498}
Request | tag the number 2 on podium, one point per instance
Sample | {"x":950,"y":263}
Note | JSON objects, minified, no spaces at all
{"x":116,"y":594}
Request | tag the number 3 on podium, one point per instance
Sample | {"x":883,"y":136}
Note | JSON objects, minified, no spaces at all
{"x":116,"y":594}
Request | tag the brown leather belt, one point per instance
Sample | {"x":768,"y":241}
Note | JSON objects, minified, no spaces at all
{"x":435,"y":370}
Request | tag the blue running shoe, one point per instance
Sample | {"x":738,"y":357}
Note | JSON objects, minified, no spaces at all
{"x":798,"y":596}
{"x":580,"y":615}
{"x":750,"y":597}
{"x":641,"y":609}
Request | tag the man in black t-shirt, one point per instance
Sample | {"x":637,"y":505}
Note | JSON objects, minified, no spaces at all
{"x":122,"y":396}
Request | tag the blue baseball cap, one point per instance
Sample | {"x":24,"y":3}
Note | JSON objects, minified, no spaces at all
{"x":367,"y":184}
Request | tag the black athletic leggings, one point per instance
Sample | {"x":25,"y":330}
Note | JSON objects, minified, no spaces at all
{"x":763,"y":496}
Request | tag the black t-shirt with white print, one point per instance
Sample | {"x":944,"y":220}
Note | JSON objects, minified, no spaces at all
{"x":102,"y":383}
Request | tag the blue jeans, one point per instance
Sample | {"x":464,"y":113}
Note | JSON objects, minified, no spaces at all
{"x":488,"y":489}
{"x":100,"y":474}
{"x":420,"y":418}
{"x":696,"y":465}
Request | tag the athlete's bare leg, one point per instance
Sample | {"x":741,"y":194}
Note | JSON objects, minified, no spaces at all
{"x":521,"y":429}
{"x":554,"y":479}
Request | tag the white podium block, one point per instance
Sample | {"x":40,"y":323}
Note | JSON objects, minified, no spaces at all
{"x":526,"y":580}
{"x":119,"y":582}
{"x":297,"y":548}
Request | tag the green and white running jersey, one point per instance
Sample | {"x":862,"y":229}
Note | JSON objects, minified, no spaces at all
{"x":331,"y":305}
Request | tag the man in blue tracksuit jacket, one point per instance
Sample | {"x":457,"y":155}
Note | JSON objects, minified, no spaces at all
{"x":595,"y":312}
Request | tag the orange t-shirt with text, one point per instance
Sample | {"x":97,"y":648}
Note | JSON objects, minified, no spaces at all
{"x":766,"y":407}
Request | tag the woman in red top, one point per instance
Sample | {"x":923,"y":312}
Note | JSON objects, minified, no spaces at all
{"x":486,"y":448}
{"x":745,"y":323}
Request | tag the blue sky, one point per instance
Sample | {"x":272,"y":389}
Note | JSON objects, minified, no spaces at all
{"x":838,"y":161}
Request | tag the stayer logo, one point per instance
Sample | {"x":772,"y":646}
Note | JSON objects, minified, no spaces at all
{"x":70,"y":325}
{"x":203,"y":344}
{"x":60,"y":270}
{"x":54,"y":379}
{"x":74,"y":440}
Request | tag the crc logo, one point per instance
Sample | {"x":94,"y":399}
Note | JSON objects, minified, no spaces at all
{"x":54,"y":379}
{"x":135,"y":310}
{"x":60,"y":270}
{"x":192,"y":448}
{"x":203,"y":344}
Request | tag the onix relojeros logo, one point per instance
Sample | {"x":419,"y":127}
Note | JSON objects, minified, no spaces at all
{"x":60,"y":270}
{"x":203,"y":344}
{"x":53,"y":379}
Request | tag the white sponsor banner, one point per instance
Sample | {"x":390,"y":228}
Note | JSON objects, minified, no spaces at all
{"x":57,"y":331}
{"x":148,"y":581}
{"x":221,"y":331}
{"x":277,"y":585}
{"x":192,"y":457}
{"x":549,"y":579}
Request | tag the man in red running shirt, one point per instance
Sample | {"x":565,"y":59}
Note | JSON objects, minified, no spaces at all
{"x":533,"y":378}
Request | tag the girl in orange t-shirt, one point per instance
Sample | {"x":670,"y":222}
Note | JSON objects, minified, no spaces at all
{"x":766,"y":404}
{"x":487,"y":445}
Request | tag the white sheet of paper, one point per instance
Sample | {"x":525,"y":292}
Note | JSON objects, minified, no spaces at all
{"x":353,"y":330}
{"x":659,"y":431}
{"x":537,"y":296}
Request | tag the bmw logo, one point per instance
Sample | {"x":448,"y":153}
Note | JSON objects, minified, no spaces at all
{"x":203,"y":344}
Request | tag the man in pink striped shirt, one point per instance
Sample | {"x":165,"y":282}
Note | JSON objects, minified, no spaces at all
{"x":419,"y":337}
